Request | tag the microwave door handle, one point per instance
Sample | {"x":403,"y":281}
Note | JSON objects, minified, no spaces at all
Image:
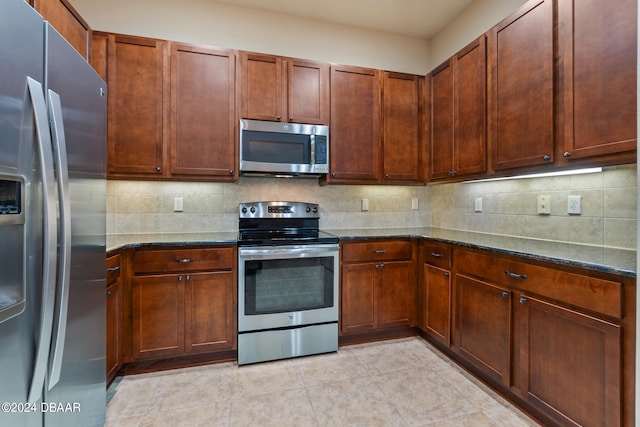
{"x":312,"y":143}
{"x":64,"y":265}
{"x":50,"y":235}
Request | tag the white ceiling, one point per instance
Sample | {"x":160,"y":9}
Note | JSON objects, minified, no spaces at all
{"x":413,"y":18}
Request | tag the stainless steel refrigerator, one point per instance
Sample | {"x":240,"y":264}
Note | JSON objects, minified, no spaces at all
{"x":52,"y":227}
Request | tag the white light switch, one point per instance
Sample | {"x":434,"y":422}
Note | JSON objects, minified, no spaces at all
{"x":414,"y":203}
{"x":365,"y":204}
{"x":544,"y":205}
{"x":477,"y":204}
{"x":575,"y":205}
{"x":178,"y":204}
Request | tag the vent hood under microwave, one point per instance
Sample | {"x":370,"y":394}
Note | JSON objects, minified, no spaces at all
{"x":283,"y":149}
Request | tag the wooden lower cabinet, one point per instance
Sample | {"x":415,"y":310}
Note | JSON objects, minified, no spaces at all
{"x":570,"y":363}
{"x":434,"y":291}
{"x":114,"y":309}
{"x":377,"y":286}
{"x":186,"y":310}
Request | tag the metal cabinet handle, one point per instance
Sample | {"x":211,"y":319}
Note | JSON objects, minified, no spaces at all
{"x":158,"y":169}
{"x":386,"y":175}
{"x":515,"y":275}
{"x":446,"y":274}
{"x":566,"y":154}
{"x":379,"y":251}
{"x":436,"y":255}
{"x":109,"y":293}
{"x":452,"y":173}
{"x":523,"y":300}
{"x":230,"y":171}
{"x":188,"y":277}
{"x":546,"y":157}
{"x":291,"y":118}
{"x":505,"y":294}
{"x":186,"y":260}
{"x":180,"y":278}
{"x":112,"y":269}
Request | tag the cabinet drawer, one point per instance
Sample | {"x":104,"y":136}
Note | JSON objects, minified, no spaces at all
{"x":180,"y":260}
{"x":377,"y":250}
{"x":437,"y":254}
{"x":595,"y":294}
{"x":113,"y":269}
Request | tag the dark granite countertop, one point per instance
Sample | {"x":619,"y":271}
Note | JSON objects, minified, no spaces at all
{"x":590,"y":257}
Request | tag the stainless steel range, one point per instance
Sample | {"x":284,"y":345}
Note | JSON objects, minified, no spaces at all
{"x":288,"y":276}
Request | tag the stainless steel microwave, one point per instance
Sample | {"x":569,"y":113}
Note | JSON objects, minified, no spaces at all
{"x":287,"y":149}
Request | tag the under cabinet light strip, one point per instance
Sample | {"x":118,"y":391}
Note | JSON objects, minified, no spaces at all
{"x":540,"y":175}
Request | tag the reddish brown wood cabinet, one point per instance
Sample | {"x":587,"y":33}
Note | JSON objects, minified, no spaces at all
{"x":284,"y":89}
{"x":378,"y":285}
{"x":114,"y":351}
{"x":598,"y":51}
{"x":183,"y":301}
{"x":67,"y":21}
{"x":521,"y":87}
{"x":458,"y":114}
{"x":136,"y":100}
{"x":434,"y":291}
{"x":202,"y":120}
{"x":402,"y":133}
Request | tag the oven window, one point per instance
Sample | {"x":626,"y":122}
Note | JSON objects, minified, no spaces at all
{"x":285,"y":285}
{"x":276,"y":148}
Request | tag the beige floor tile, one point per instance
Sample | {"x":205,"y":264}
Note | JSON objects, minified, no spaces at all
{"x":289,"y":408}
{"x":334,"y":367}
{"x":264,"y":378}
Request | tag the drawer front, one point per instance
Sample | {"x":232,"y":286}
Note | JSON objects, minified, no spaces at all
{"x":181,"y":260}
{"x":437,"y":254}
{"x":595,"y":294}
{"x":113,"y":269}
{"x":377,"y":250}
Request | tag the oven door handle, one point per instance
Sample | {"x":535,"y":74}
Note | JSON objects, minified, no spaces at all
{"x":290,"y":251}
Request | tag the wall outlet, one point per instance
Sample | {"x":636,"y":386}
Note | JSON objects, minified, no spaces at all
{"x":365,"y":205}
{"x":414,"y":203}
{"x":178,"y":204}
{"x":574,"y":205}
{"x":544,"y":204}
{"x":477,"y":204}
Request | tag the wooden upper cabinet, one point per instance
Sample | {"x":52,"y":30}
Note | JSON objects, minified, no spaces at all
{"x":458,"y":114}
{"x":284,"y":89}
{"x":98,"y":57}
{"x":67,"y":21}
{"x":402,"y":156}
{"x":136,"y":75}
{"x":521,"y":90}
{"x":356,"y":115}
{"x":202,"y":117}
{"x":598,"y":52}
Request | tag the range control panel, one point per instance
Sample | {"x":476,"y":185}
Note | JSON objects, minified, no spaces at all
{"x":279,"y":210}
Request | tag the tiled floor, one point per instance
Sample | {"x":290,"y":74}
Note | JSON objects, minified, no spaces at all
{"x":389,"y":383}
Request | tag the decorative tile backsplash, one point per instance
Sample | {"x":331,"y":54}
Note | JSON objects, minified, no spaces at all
{"x":609,"y":206}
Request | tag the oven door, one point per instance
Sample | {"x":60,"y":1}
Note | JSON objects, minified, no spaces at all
{"x":285,"y":286}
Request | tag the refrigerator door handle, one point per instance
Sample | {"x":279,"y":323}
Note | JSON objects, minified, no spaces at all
{"x":64,"y":261}
{"x":49,"y":238}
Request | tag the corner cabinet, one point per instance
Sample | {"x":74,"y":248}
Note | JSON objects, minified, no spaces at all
{"x":458,"y":144}
{"x":434,"y":291}
{"x":183,"y":301}
{"x":284,"y":89}
{"x":521,"y":87}
{"x":598,"y":50}
{"x":67,"y":21}
{"x":378,"y":285}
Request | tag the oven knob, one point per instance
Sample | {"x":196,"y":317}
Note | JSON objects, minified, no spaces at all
{"x":315,"y":210}
{"x":253,"y":209}
{"x":244,"y":210}
{"x":308,"y":209}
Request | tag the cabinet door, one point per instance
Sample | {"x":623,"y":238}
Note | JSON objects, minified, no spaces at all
{"x":158,"y":316}
{"x":202,"y":123}
{"x":136,"y":105}
{"x":263,"y":87}
{"x":483,"y":328}
{"x":98,"y":55}
{"x":308,"y":92}
{"x":402,"y":122}
{"x":571,"y":364}
{"x":442,"y":120}
{"x":598,"y":48}
{"x":114,"y":329}
{"x":64,"y":18}
{"x":356,"y":150}
{"x":521,"y":111}
{"x":358,"y":298}
{"x":437,"y":295}
{"x":209,"y":311}
{"x":396,"y":294}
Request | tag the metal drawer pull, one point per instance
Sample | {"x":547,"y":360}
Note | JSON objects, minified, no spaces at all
{"x":112,"y":269}
{"x":523,"y":300}
{"x":446,"y":274}
{"x":185,"y":260}
{"x":505,"y":294}
{"x":515,"y":275}
{"x":436,"y":255}
{"x":379,"y":251}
